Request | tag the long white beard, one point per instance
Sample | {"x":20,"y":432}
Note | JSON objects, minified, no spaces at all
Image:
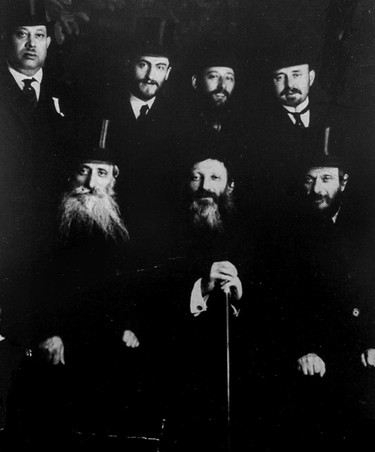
{"x":89,"y":210}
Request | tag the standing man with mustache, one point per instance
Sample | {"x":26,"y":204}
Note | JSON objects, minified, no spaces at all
{"x":214,"y":84}
{"x":290,"y":119}
{"x":34,"y":133}
{"x":33,"y":130}
{"x":141,"y":134}
{"x":34,"y":120}
{"x":213,"y":108}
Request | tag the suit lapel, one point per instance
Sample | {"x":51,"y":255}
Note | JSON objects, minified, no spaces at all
{"x":14,"y":99}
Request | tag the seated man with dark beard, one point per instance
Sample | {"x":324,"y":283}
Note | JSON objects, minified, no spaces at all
{"x":329,"y":323}
{"x":213,"y":248}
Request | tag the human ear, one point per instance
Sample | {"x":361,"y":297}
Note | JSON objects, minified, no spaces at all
{"x":231,"y":186}
{"x":194,"y":81}
{"x":311,"y":76}
{"x":344,"y":181}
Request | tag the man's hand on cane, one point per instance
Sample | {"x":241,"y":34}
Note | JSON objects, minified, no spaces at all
{"x":225,"y":275}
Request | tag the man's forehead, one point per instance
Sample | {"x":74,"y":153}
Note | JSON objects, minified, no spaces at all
{"x":322,"y":170}
{"x":96,"y":165}
{"x":153,"y":59}
{"x":209,"y":165}
{"x":31,"y":28}
{"x":297,"y":68}
{"x":219,"y":69}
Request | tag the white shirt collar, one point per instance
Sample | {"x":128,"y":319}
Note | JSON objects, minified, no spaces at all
{"x":305,"y":117}
{"x":137,"y":103}
{"x":18,"y":77}
{"x":299,"y":107}
{"x":334,"y":218}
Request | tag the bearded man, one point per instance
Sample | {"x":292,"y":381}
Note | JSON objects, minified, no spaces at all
{"x":207,"y":217}
{"x":91,"y":203}
{"x":210,"y":266}
{"x":142,"y":120}
{"x":212,"y":195}
{"x":213,"y":106}
{"x":92,"y":310}
{"x":328,"y":318}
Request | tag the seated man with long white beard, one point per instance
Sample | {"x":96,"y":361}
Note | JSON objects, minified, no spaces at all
{"x":89,"y":207}
{"x":90,"y":330}
{"x":92,"y":230}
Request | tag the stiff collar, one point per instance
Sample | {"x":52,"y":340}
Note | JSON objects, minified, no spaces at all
{"x":137,"y":103}
{"x":299,"y":107}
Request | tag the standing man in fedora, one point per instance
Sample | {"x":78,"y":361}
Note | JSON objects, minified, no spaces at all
{"x":32,"y":121}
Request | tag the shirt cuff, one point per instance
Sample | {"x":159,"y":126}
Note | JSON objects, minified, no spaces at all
{"x":198,"y":304}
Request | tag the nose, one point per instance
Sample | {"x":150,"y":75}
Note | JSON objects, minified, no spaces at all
{"x":222,"y":83}
{"x":287,"y":83}
{"x":30,"y":41}
{"x":91,"y":181}
{"x":318,"y":186}
{"x":151,"y":72}
{"x":207,"y":184}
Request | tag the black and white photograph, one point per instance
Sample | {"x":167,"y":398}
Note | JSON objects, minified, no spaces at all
{"x":187,"y":225}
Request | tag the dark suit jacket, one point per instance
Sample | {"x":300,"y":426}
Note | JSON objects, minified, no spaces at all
{"x":325,"y":312}
{"x":32,"y":173}
{"x":145,"y":154}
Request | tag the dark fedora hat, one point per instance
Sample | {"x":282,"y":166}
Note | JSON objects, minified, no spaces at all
{"x":153,"y":36}
{"x":212,"y":53}
{"x":201,"y":147}
{"x":331,"y":149}
{"x":290,"y":51}
{"x":93,"y":148}
{"x":25,"y":13}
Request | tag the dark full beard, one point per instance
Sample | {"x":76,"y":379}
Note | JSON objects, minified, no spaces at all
{"x":210,"y":107}
{"x":209,"y":211}
{"x":206,"y":215}
{"x":87,"y":211}
{"x":332,"y":207}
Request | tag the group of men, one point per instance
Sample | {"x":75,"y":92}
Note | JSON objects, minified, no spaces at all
{"x":199,"y":263}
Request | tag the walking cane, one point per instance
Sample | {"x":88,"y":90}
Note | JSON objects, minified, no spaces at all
{"x":227,"y":296}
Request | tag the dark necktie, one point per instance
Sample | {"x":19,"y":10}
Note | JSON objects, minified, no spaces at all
{"x":297,"y":116}
{"x":29,"y":91}
{"x":143,"y":112}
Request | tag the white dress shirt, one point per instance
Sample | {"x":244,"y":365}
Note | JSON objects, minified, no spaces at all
{"x":198,"y":303}
{"x":137,"y":104}
{"x":18,"y":77}
{"x":305,"y":117}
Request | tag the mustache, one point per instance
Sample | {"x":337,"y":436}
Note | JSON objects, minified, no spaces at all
{"x":220,"y":91}
{"x":290,"y":91}
{"x":317,"y":197}
{"x":205,"y":194}
{"x":149,"y":81}
{"x":83,"y":192}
